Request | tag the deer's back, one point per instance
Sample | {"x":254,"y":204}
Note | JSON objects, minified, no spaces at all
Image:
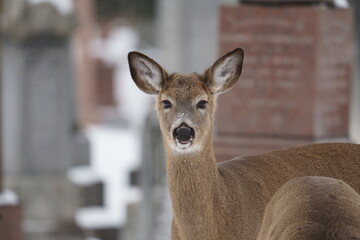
{"x":271,"y":170}
{"x":312,"y":208}
{"x":251,"y":181}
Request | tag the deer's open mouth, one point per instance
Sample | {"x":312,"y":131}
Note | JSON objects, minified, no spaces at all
{"x":183,"y":144}
{"x":183,"y":136}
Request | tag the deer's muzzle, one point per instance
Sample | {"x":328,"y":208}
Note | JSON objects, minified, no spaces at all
{"x":184,"y":134}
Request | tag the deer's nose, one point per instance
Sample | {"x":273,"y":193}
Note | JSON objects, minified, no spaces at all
{"x":184,"y":133}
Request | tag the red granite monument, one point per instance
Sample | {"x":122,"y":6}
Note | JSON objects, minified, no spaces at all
{"x":295,"y":84}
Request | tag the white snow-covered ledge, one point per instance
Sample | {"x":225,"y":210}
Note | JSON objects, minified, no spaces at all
{"x":83,"y":176}
{"x":8,"y":198}
{"x":342,"y":3}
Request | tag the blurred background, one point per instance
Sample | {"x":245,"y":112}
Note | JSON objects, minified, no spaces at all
{"x":81,"y":150}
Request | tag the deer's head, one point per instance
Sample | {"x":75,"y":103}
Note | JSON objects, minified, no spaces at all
{"x":186,"y":102}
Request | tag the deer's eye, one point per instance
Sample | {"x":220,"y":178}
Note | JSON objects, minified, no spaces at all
{"x":201,"y":104}
{"x":166,"y":104}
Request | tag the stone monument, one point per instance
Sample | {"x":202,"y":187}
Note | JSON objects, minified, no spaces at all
{"x":41,"y":137}
{"x":295,"y":84}
{"x":10,"y":209}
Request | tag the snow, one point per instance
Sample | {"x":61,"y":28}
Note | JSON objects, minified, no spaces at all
{"x":8,"y":197}
{"x":83,"y":176}
{"x":115,"y":48}
{"x":133,"y":105}
{"x":115,"y":153}
{"x":341,"y":3}
{"x":63,"y":6}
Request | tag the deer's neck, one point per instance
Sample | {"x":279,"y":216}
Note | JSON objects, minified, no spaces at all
{"x":193,"y":184}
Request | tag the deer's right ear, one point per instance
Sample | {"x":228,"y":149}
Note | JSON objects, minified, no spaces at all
{"x":225,"y":71}
{"x":146,"y":73}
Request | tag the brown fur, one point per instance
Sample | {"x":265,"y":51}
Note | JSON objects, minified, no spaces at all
{"x":264,"y":174}
{"x":227,"y":201}
{"x":312,"y":208}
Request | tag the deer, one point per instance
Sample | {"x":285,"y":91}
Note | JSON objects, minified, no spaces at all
{"x":236,"y":199}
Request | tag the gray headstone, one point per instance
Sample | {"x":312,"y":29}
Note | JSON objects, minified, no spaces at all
{"x":39,"y":106}
{"x":41,"y":138}
{"x":48,"y":106}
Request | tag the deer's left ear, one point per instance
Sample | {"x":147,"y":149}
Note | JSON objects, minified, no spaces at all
{"x":147,"y":74}
{"x":225,"y":72}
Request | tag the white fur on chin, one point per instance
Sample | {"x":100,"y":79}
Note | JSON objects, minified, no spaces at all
{"x":188,"y":148}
